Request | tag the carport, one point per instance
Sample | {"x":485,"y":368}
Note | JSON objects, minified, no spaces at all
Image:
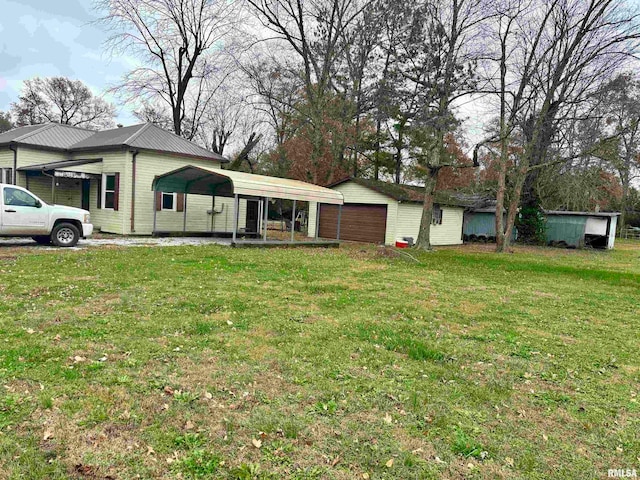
{"x":211,"y":182}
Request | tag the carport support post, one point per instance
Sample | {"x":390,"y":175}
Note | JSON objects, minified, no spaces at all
{"x":266,"y":217}
{"x":339,"y":219}
{"x":317,"y":220}
{"x":236,"y":205}
{"x":184,"y":215}
{"x":293,"y":221}
{"x":155,"y":210}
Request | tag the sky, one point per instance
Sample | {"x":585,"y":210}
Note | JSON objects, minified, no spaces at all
{"x":56,"y":38}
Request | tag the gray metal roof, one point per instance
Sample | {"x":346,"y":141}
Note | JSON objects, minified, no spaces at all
{"x":582,"y":214}
{"x":60,"y":164}
{"x":52,"y":135}
{"x":146,"y":136}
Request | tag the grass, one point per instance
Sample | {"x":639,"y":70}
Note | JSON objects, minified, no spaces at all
{"x":210,"y":362}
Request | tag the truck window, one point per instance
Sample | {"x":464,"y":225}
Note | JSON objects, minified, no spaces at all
{"x":18,"y":198}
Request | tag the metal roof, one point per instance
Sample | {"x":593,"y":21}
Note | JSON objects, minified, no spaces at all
{"x":60,"y":164}
{"x":582,"y":214}
{"x":226,"y":183}
{"x":52,"y":135}
{"x":145,"y":136}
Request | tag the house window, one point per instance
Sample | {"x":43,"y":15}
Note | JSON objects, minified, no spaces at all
{"x":169,"y":201}
{"x":110,"y":189}
{"x":7,"y":175}
{"x":437,"y":215}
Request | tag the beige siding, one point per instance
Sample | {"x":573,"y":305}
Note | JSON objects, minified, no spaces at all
{"x":311,"y":227}
{"x":6,"y":158}
{"x":149,"y":165}
{"x":354,"y":193}
{"x":447,"y":233}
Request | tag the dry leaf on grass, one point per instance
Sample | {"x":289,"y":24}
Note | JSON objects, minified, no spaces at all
{"x":256,"y":443}
{"x":389,"y":464}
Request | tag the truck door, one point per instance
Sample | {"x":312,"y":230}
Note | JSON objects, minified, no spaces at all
{"x":22,"y":213}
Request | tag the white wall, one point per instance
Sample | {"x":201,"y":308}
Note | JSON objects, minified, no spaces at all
{"x":447,"y":233}
{"x":403,"y":219}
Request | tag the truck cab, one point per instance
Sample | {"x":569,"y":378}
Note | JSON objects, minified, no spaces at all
{"x":23,"y":214}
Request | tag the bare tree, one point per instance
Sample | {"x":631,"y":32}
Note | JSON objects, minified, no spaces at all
{"x":437,"y":66}
{"x":61,"y":100}
{"x":552,"y":56}
{"x":182,"y":47}
{"x":314,"y":32}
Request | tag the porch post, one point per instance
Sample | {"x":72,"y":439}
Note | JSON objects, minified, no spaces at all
{"x":155,"y":210}
{"x":184,"y":215}
{"x":293,"y":220}
{"x":213,"y":207}
{"x":266,"y":217}
{"x":339,"y":219}
{"x":317,"y":220}
{"x":236,"y":205}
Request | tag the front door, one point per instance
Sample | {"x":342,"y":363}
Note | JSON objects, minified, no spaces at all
{"x":22,"y":213}
{"x":252,"y":217}
{"x":86,"y":191}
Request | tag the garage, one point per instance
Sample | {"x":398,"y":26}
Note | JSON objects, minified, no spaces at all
{"x":358,"y":223}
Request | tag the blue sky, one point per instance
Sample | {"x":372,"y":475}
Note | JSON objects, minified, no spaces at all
{"x":55,"y":37}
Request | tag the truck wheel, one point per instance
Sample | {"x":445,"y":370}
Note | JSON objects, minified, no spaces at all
{"x":65,"y":235}
{"x":42,"y":240}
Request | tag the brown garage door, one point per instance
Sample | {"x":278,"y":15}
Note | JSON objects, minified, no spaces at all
{"x":359,"y":223}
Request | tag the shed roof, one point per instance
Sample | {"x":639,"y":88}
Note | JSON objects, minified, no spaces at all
{"x":582,"y":214}
{"x":408,"y":193}
{"x":226,"y":183}
{"x":145,"y":136}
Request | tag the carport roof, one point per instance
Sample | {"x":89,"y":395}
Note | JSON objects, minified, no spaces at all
{"x":227,"y":183}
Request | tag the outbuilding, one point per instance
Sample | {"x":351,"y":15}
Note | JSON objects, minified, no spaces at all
{"x":581,"y":229}
{"x":381,"y":212}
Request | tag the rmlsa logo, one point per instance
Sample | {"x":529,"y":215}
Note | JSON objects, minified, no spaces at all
{"x":622,"y":473}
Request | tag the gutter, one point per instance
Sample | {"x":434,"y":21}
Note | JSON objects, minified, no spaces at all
{"x":133,"y":190}
{"x":14,"y":148}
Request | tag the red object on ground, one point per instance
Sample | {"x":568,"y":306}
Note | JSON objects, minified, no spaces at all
{"x":402,"y":244}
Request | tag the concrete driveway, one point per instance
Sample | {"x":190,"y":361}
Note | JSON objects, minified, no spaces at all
{"x":121,"y":242}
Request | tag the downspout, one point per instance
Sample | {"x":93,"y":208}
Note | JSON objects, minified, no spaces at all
{"x":133,"y":190}
{"x":14,"y":148}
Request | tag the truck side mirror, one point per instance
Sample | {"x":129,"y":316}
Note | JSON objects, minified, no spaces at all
{"x":38,"y":204}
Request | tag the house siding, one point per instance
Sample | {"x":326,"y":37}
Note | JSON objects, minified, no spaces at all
{"x":447,"y":233}
{"x":403,"y":219}
{"x":150,"y":165}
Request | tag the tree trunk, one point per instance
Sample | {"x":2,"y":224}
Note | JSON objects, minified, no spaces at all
{"x":424,"y":235}
{"x":512,"y":211}
{"x":500,"y":195}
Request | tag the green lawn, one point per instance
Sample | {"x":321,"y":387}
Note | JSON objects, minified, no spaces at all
{"x":211,"y":362}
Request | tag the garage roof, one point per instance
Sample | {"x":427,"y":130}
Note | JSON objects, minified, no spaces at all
{"x":227,"y":183}
{"x":409,"y":193}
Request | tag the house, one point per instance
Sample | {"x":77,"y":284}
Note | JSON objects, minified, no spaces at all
{"x":112,"y":174}
{"x":380,"y":212}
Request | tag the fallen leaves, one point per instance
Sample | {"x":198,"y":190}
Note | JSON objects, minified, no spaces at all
{"x":256,"y":443}
{"x":389,"y":464}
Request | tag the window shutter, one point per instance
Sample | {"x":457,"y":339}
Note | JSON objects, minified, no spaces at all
{"x":180,"y":202}
{"x":99,"y":195}
{"x":116,"y":194}
{"x":158,"y":201}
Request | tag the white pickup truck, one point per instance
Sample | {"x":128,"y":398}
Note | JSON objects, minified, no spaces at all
{"x":22,"y":214}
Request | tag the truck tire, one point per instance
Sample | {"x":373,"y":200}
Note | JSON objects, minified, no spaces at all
{"x":65,"y":235}
{"x":42,"y":240}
